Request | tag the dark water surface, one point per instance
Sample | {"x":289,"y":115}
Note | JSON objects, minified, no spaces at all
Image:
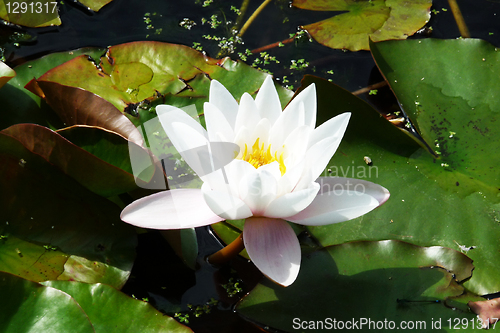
{"x":157,"y":268}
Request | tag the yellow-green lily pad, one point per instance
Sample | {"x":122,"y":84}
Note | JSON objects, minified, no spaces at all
{"x":376,"y":19}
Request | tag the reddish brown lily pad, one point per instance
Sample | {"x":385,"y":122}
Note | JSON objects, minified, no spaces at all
{"x":77,"y":106}
{"x":488,"y":311}
{"x":92,"y":172}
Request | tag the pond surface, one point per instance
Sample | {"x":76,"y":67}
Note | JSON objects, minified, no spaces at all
{"x":134,"y":20}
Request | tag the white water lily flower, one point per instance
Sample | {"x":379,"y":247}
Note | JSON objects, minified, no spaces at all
{"x":273,"y":178}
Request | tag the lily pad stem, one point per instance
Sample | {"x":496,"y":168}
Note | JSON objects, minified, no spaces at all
{"x":252,"y":18}
{"x":462,"y":27}
{"x":243,"y":10}
{"x":227,"y":253}
{"x":273,"y":45}
{"x":367,"y":89}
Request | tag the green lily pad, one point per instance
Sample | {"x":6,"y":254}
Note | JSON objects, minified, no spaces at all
{"x":452,"y":99}
{"x":387,"y":281}
{"x":6,"y":73}
{"x":32,"y":261}
{"x":44,"y":206}
{"x":84,"y":270}
{"x":95,"y":5}
{"x":376,"y":19}
{"x":63,"y":306}
{"x":30,"y":13}
{"x":420,"y":210}
{"x":112,"y":311}
{"x":185,"y":244}
{"x":30,"y":307}
{"x":454,"y":105}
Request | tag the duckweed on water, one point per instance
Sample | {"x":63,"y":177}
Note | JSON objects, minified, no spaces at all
{"x":183,"y":318}
{"x":197,"y":46}
{"x":186,"y":23}
{"x":207,"y":3}
{"x":236,"y":10}
{"x":299,"y":64}
{"x":232,"y":287}
{"x":213,"y":21}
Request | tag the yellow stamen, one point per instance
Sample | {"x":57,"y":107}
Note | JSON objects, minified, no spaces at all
{"x":260,"y":156}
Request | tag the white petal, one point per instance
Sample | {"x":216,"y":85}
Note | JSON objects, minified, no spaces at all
{"x":216,"y":180}
{"x":257,"y":190}
{"x":224,"y":204}
{"x":224,"y":101}
{"x":187,"y":136}
{"x":289,"y":120}
{"x":174,"y":209}
{"x":261,"y":131}
{"x":273,"y":248}
{"x":341,"y":199}
{"x":170,"y":116}
{"x":248,"y":113}
{"x":318,"y":156}
{"x":289,"y":180}
{"x":335,"y":126}
{"x":193,"y":148}
{"x":291,"y":203}
{"x":217,"y":123}
{"x":306,"y":178}
{"x":236,"y":170}
{"x":308,"y":98}
{"x":296,"y":145}
{"x":241,"y":137}
{"x":268,"y":101}
{"x":273,"y":168}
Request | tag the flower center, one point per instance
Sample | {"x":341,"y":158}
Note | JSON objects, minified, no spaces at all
{"x":258,"y":156}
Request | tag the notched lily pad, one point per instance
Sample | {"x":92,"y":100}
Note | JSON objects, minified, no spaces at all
{"x":386,"y":280}
{"x":421,"y":209}
{"x":375,"y":19}
{"x":134,"y":77}
{"x":453,"y":102}
{"x":131,"y":76}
